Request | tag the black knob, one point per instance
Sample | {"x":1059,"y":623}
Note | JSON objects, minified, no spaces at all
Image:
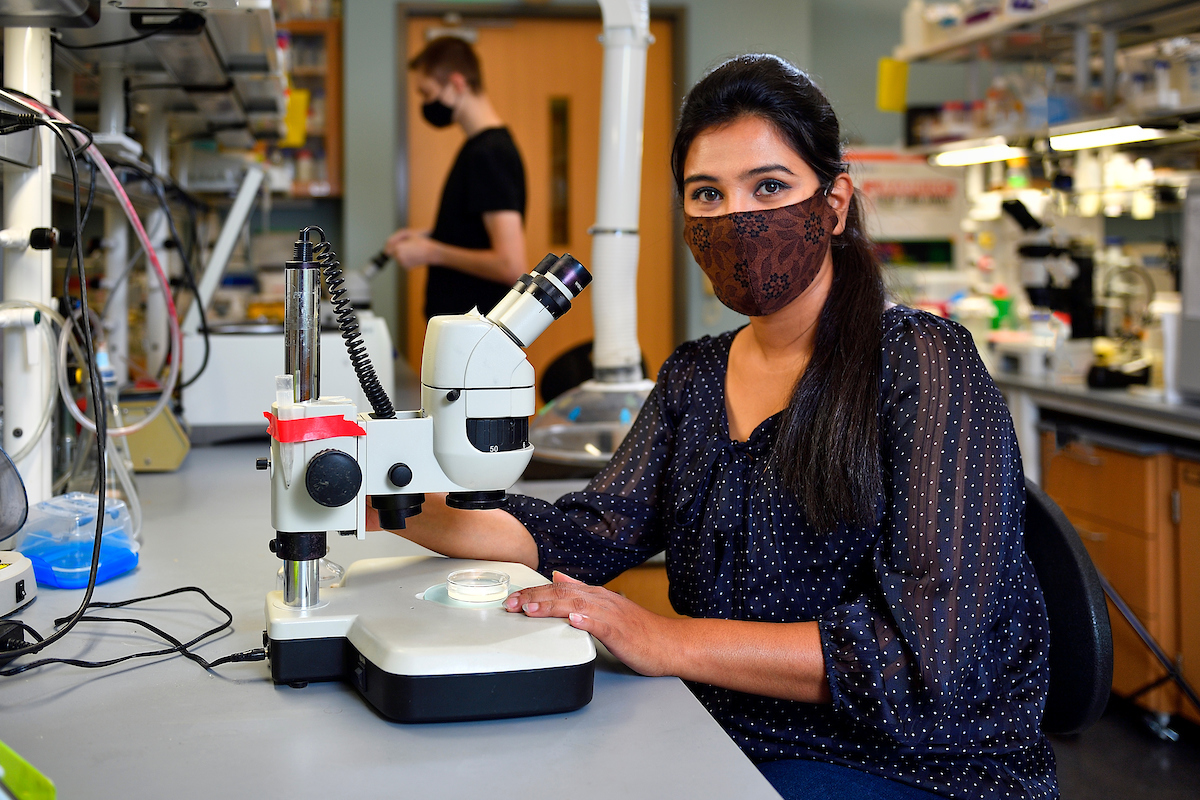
{"x":262,"y":463}
{"x":271,"y":545}
{"x":333,"y":478}
{"x":43,"y":238}
{"x":453,"y":395}
{"x":400,"y":475}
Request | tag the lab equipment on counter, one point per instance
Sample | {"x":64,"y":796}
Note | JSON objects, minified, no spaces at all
{"x":59,"y":537}
{"x":391,"y":627}
{"x":17,"y":586}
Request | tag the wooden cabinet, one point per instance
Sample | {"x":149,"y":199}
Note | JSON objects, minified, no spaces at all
{"x":1187,"y":481}
{"x":645,"y":585}
{"x":1121,"y":502}
{"x":316,"y":68}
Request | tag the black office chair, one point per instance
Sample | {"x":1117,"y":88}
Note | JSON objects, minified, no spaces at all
{"x":1081,"y":657}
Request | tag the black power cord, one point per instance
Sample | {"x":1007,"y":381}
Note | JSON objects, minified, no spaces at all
{"x":347,"y":320}
{"x":11,"y":123}
{"x":158,"y":185}
{"x":177,"y":647}
{"x":181,"y":22}
{"x":11,"y":647}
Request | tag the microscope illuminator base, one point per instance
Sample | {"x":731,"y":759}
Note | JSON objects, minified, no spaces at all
{"x":424,"y":660}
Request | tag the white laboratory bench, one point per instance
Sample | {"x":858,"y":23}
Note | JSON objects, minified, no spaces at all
{"x":166,"y":728}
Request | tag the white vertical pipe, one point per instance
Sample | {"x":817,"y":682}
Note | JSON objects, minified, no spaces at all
{"x":155,"y":331}
{"x":1083,"y":64}
{"x":27,"y":272}
{"x":64,"y":82}
{"x":1108,"y":79}
{"x":112,"y":99}
{"x":618,"y":196}
{"x":116,"y":315}
{"x":116,"y":230}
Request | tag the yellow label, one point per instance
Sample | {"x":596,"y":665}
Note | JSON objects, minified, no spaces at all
{"x":891,"y":89}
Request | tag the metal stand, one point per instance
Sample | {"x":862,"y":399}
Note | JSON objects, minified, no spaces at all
{"x":1158,"y":722}
{"x":27,"y":271}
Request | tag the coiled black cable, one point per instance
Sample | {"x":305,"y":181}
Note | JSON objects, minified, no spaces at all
{"x":347,"y":320}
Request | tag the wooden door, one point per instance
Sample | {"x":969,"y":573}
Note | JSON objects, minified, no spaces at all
{"x":531,"y":65}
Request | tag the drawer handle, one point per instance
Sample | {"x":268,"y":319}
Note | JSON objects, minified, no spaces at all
{"x":1091,"y":536}
{"x":1084,"y":454}
{"x":1191,"y":475}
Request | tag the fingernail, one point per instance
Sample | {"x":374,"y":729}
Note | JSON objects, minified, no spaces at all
{"x":575,"y":617}
{"x":528,"y":607}
{"x":512,"y":601}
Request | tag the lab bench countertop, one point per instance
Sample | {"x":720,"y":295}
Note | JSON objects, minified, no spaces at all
{"x":1121,"y":406}
{"x":164,"y":727}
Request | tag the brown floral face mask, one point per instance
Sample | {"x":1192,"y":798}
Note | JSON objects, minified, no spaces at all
{"x":759,"y":261}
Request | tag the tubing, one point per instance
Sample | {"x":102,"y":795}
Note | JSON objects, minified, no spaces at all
{"x":173,"y":317}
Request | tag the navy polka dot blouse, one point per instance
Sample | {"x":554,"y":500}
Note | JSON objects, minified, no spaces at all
{"x":932,"y":622}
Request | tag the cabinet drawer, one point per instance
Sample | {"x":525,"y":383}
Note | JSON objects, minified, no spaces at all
{"x":1134,"y":666}
{"x":1128,"y":561}
{"x":1103,"y":483}
{"x":647,"y":586}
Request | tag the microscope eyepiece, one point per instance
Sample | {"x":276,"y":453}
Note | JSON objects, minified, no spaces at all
{"x":571,"y":274}
{"x":540,"y":297}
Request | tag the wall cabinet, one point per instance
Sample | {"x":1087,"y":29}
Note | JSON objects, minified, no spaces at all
{"x":1122,"y":503}
{"x":316,"y":67}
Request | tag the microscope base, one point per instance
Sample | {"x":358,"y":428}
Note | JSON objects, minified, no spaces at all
{"x":431,"y":660}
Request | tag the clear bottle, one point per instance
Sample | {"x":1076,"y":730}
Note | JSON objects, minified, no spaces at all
{"x":118,"y":478}
{"x":913,"y":25}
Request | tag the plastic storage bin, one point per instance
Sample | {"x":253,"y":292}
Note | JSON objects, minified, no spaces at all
{"x":59,"y":534}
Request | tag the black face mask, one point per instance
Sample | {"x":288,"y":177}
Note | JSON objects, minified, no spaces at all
{"x":437,"y":113}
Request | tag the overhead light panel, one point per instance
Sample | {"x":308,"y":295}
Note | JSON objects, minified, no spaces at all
{"x":979,"y":152}
{"x":1106,"y":137}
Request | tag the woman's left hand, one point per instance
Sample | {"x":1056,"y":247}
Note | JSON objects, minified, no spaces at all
{"x":641,"y":639}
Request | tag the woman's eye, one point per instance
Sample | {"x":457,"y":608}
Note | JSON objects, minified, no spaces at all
{"x":771,"y":187}
{"x":706,"y":195}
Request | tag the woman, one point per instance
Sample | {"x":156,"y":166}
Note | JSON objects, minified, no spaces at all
{"x":836,"y":485}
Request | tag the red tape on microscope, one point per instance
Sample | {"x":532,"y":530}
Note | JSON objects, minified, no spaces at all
{"x":310,"y":429}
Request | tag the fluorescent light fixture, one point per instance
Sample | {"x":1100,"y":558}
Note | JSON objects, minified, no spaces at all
{"x":1106,"y":137}
{"x":979,"y":152}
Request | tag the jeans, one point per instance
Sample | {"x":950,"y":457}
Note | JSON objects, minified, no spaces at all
{"x":799,"y":779}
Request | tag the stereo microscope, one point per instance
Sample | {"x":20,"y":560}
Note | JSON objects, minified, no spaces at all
{"x":396,"y":628}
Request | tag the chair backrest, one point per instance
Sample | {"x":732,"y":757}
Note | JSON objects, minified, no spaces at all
{"x":1080,"y":636}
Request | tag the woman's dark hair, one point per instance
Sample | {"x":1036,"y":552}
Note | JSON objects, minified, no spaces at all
{"x":827,"y":448}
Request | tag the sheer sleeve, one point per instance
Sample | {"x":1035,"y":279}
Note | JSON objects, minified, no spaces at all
{"x":597,"y":534}
{"x":907,"y":655}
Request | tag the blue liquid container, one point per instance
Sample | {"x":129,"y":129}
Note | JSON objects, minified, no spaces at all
{"x":59,"y":535}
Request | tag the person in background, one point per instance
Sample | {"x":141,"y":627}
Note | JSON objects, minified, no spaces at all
{"x":476,"y":250}
{"x":836,"y":485}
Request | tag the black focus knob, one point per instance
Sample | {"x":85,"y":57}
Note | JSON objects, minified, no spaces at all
{"x":333,"y":478}
{"x":262,"y":463}
{"x":400,"y":475}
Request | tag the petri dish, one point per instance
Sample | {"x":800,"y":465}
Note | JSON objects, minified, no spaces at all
{"x":477,"y":585}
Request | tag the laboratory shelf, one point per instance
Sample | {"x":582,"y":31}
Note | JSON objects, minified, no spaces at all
{"x":1048,"y":32}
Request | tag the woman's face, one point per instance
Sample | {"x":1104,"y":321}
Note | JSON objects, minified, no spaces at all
{"x":744,"y":165}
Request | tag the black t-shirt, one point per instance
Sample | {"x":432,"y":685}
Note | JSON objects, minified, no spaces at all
{"x":487,"y":176}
